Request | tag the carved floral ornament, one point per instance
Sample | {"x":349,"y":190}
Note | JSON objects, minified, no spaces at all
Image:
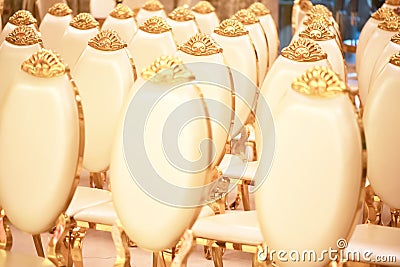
{"x":246,"y":17}
{"x":181,"y":14}
{"x":22,"y":17}
{"x":84,"y":21}
{"x":304,"y":50}
{"x":107,"y":40}
{"x":122,"y":11}
{"x":317,"y":18}
{"x":382,"y":13}
{"x":305,"y":5}
{"x":155,"y":25}
{"x":60,"y":10}
{"x":203,"y":7}
{"x":44,"y":64}
{"x":396,"y":38}
{"x":319,"y":82}
{"x":231,"y":28}
{"x":321,"y":9}
{"x":317,"y":32}
{"x":393,"y":2}
{"x":153,"y":5}
{"x":391,"y":24}
{"x":259,"y":9}
{"x":201,"y":45}
{"x":23,"y":36}
{"x":395,"y":59}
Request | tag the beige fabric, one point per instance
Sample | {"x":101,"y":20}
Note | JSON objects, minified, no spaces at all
{"x":234,"y":167}
{"x":86,"y":197}
{"x":143,"y":15}
{"x":8,"y":259}
{"x":365,"y":35}
{"x":101,"y":8}
{"x":270,"y":29}
{"x":52,"y":29}
{"x":126,"y":28}
{"x":183,"y":30}
{"x":102,"y":214}
{"x":207,"y":22}
{"x":260,"y":42}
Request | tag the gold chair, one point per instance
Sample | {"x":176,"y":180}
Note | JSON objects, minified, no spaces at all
{"x":152,"y":8}
{"x":121,"y":19}
{"x":153,"y":39}
{"x":206,"y":17}
{"x":19,"y":18}
{"x":28,"y":143}
{"x":183,"y":24}
{"x":54,"y":24}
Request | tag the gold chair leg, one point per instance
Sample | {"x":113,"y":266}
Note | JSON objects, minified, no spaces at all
{"x":98,"y":179}
{"x":121,"y":244}
{"x":76,"y":241}
{"x":257,"y":263}
{"x":58,"y":250}
{"x":185,"y":247}
{"x":159,"y":260}
{"x":207,"y":252}
{"x":395,"y":221}
{"x":6,"y":239}
{"x":37,"y":240}
{"x":245,"y":196}
{"x":217,"y":253}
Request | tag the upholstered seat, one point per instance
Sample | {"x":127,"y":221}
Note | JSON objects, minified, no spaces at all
{"x":206,"y":17}
{"x":121,"y":19}
{"x":183,"y":24}
{"x":234,"y":167}
{"x":86,"y":198}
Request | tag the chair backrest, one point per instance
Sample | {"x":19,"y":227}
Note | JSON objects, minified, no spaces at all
{"x":81,"y":29}
{"x":183,"y":23}
{"x":299,"y":11}
{"x":155,"y":173}
{"x":19,"y":45}
{"x":101,"y":8}
{"x":393,"y":4}
{"x":19,"y":18}
{"x":381,"y":114}
{"x":206,"y":17}
{"x":153,"y":39}
{"x":103,"y":74}
{"x":44,"y":5}
{"x":202,"y":49}
{"x":33,"y":192}
{"x":152,"y":8}
{"x":121,"y":19}
{"x":54,"y":24}
{"x":312,"y":194}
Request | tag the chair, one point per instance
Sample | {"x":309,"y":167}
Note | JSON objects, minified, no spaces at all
{"x":138,"y":159}
{"x":206,"y":17}
{"x":318,"y":110}
{"x":153,"y":39}
{"x":55,"y":135}
{"x":19,"y":45}
{"x":366,"y":32}
{"x":183,"y":24}
{"x":393,"y":4}
{"x":299,"y":11}
{"x":42,"y":7}
{"x":379,"y":39}
{"x":270,"y":29}
{"x":380,"y":114}
{"x":152,"y":8}
{"x":101,"y":8}
{"x":53,"y":25}
{"x":121,"y":19}
{"x":81,"y":29}
{"x":104,"y":73}
{"x":252,"y":23}
{"x":19,"y":18}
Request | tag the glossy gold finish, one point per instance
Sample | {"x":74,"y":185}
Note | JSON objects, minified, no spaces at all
{"x":203,"y":7}
{"x":396,"y":38}
{"x":246,"y":17}
{"x":201,"y":45}
{"x":304,"y":50}
{"x":184,"y":248}
{"x":58,"y":248}
{"x":391,"y":24}
{"x":317,"y":32}
{"x":122,"y":11}
{"x":395,"y":59}
{"x":22,"y":17}
{"x":37,"y":241}
{"x":6,"y":239}
{"x":44,"y":64}
{"x":382,"y":13}
{"x":84,"y":21}
{"x":76,"y":240}
{"x":305,"y":5}
{"x":153,"y":5}
{"x":155,"y":25}
{"x":160,"y":64}
{"x":231,"y":28}
{"x":319,"y":82}
{"x":395,"y":218}
{"x":98,"y":179}
{"x":23,"y":36}
{"x":107,"y":40}
{"x":181,"y":14}
{"x":60,"y":10}
{"x":320,"y":9}
{"x":259,"y":9}
{"x":121,"y":244}
{"x":317,"y":18}
{"x":393,"y":2}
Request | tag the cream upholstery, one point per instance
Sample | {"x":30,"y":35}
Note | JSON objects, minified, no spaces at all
{"x":103,"y":79}
{"x":8,"y":259}
{"x":86,"y":198}
{"x":99,"y":214}
{"x":134,"y":4}
{"x":270,"y":29}
{"x":206,"y":22}
{"x":143,"y":15}
{"x":126,"y":28}
{"x":317,"y":159}
{"x":29,"y":143}
{"x":234,"y":167}
{"x":182,"y":30}
{"x":381,"y":132}
{"x":52,"y":29}
{"x":101,"y":8}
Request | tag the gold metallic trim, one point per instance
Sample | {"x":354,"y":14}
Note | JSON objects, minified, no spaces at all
{"x":37,"y":241}
{"x":259,"y":9}
{"x":201,"y":45}
{"x":319,"y":82}
{"x":184,"y":247}
{"x":318,"y":18}
{"x":77,"y":236}
{"x":203,"y":7}
{"x":121,"y":241}
{"x":395,"y":59}
{"x":155,"y":25}
{"x":6,"y":239}
{"x":107,"y":40}
{"x":181,"y":14}
{"x":304,"y":50}
{"x":246,"y":17}
{"x":60,"y":10}
{"x":22,"y":17}
{"x":153,"y":5}
{"x":84,"y":21}
{"x":122,"y":11}
{"x":97,"y":179}
{"x":317,"y":32}
{"x":59,"y":245}
{"x":393,"y":2}
{"x":231,"y":28}
{"x":382,"y":13}
{"x":391,"y":24}
{"x":44,"y":64}
{"x":396,"y":38}
{"x":305,"y":5}
{"x":321,"y":9}
{"x":23,"y":36}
